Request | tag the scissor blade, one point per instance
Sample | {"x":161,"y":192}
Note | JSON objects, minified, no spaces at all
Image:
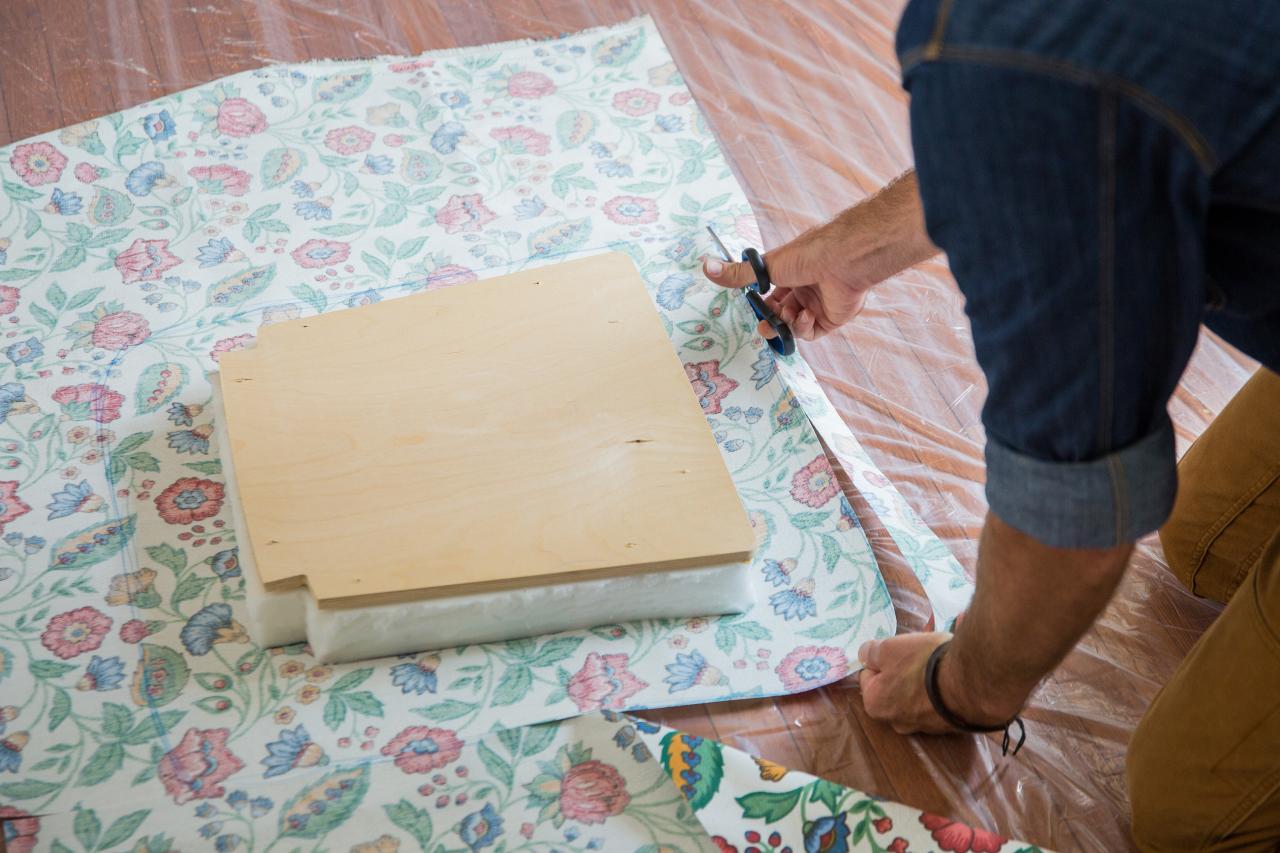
{"x":723,"y":251}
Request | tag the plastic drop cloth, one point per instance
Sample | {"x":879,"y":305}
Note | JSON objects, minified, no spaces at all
{"x":806,"y":101}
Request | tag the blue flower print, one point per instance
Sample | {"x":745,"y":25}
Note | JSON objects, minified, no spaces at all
{"x":211,"y":625}
{"x":456,"y":99}
{"x":102,"y":674}
{"x":181,"y":414}
{"x":66,"y":204}
{"x":794,"y":604}
{"x":70,"y":499}
{"x":226,"y":564}
{"x":378,"y":164}
{"x":214,"y":252}
{"x":672,"y":289}
{"x":418,"y":677}
{"x":480,"y":829}
{"x":10,"y":756}
{"x":446,"y":137}
{"x":190,"y":440}
{"x":827,"y":835}
{"x":301,"y":189}
{"x":690,"y":669}
{"x":763,"y":368}
{"x":24,"y":352}
{"x":614,"y":169}
{"x":144,"y":178}
{"x":669,"y":123}
{"x":227,"y":843}
{"x":779,"y":573}
{"x":364,"y":297}
{"x":313,"y":210}
{"x":159,"y":126}
{"x":528,"y":208}
{"x":294,"y":749}
{"x":11,"y":393}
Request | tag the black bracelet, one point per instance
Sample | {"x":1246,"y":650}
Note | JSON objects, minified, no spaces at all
{"x":948,"y":717}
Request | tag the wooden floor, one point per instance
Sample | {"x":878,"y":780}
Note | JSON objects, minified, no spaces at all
{"x":804,"y":97}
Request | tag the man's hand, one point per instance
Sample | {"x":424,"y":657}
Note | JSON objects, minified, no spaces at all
{"x":823,"y":275}
{"x":1031,"y":605}
{"x":893,"y":682}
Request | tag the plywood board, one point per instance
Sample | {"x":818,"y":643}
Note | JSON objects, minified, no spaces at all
{"x":532,"y":428}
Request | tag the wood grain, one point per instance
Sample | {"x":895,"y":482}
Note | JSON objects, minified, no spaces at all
{"x":477,"y":438}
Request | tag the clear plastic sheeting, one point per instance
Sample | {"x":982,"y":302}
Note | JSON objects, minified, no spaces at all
{"x":805,"y":98}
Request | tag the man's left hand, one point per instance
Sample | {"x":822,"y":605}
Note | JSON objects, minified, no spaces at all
{"x":893,"y":682}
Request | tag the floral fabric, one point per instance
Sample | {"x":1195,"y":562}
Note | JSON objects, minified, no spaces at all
{"x":137,"y":249}
{"x":597,"y":782}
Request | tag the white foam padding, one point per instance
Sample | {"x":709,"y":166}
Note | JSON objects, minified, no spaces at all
{"x":345,"y":634}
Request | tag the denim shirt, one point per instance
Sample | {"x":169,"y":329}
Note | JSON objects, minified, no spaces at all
{"x":1104,"y":177}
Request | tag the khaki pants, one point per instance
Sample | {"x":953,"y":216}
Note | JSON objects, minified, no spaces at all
{"x":1204,"y":764}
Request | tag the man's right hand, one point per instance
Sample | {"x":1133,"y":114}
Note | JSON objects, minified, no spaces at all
{"x":821,"y":278}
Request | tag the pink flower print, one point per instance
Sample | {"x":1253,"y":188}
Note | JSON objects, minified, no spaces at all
{"x":410,"y":65}
{"x":195,"y":768}
{"x":956,"y":837}
{"x":9,"y":299}
{"x":314,"y":254}
{"x":592,"y":791}
{"x":530,"y":84}
{"x":709,"y":384}
{"x":75,"y":632}
{"x":604,"y":682}
{"x":227,"y":345}
{"x":134,"y":631}
{"x":11,"y":506}
{"x":421,"y":749}
{"x":631,"y":210}
{"x":636,"y":102}
{"x":38,"y":163}
{"x":521,"y":140}
{"x":120,"y":330}
{"x":89,"y":401}
{"x":146,"y":260}
{"x":220,"y":179}
{"x":812,"y":666}
{"x":86,"y":173}
{"x":815,"y":483}
{"x":349,"y":139}
{"x":449,"y":275}
{"x":394,"y":140}
{"x":20,"y":828}
{"x":238,"y":117}
{"x":464,"y":213}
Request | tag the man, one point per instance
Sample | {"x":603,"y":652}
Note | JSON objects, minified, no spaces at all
{"x":1104,"y":177}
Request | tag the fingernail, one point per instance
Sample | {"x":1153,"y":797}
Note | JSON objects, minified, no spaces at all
{"x":712,"y":266}
{"x":862,"y":651}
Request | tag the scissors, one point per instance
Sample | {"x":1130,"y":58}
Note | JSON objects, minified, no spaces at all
{"x":783,"y":343}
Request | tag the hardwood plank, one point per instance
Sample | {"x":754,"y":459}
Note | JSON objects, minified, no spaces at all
{"x":83,"y":91}
{"x":121,"y":53}
{"x":228,"y":42}
{"x":31,"y":95}
{"x":173,"y":35}
{"x":420,"y":26}
{"x":5,"y":136}
{"x":274,"y":29}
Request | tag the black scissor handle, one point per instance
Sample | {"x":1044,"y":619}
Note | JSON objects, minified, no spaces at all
{"x":783,"y":342}
{"x":763,"y":282}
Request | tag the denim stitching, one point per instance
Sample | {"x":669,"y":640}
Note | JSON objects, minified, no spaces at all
{"x":1120,"y":497}
{"x":1141,"y":98}
{"x":1106,"y":267}
{"x":934,"y":47}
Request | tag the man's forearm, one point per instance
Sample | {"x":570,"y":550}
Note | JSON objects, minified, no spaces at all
{"x":1031,"y":606}
{"x":886,"y":232}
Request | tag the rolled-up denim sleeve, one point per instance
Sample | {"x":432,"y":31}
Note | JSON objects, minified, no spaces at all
{"x":1072,"y":221}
